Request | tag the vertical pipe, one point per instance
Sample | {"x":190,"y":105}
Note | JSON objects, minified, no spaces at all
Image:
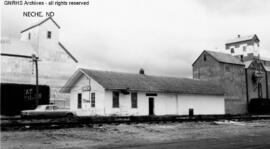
{"x":267,"y":89}
{"x":35,"y":60}
{"x":90,"y":106}
{"x":247,"y":95}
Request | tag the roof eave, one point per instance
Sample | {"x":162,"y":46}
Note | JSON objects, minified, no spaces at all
{"x":68,"y":85}
{"x":168,"y":92}
{"x":230,"y":43}
{"x":66,"y":50}
{"x":198,"y":57}
{"x":232,"y":63}
{"x":38,"y":24}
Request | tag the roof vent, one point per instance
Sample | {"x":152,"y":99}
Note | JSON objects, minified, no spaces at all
{"x":141,"y":71}
{"x":238,"y":36}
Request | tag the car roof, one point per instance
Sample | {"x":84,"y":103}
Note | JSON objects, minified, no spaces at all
{"x":48,"y":105}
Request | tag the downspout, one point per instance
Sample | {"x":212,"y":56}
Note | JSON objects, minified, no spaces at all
{"x":246,"y":74}
{"x":90,"y":93}
{"x":266,"y":77}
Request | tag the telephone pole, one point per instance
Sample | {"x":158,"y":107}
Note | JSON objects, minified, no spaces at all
{"x":35,"y":60}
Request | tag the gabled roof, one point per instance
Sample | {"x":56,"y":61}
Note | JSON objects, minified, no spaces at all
{"x":267,"y":68}
{"x":255,"y":63}
{"x":39,"y":23}
{"x":247,"y":63}
{"x":265,"y":58}
{"x":65,"y":49}
{"x":243,"y":39}
{"x":222,"y":57}
{"x":225,"y":58}
{"x":145,"y":83}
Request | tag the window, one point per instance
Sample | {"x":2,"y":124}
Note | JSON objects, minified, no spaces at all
{"x":204,"y":57}
{"x":244,"y":49}
{"x":79,"y":101}
{"x":55,"y":108}
{"x":49,"y":34}
{"x":134,"y":97}
{"x":93,"y":100}
{"x":227,"y":68}
{"x":29,"y":36}
{"x":115,"y":100}
{"x":49,"y":108}
{"x":232,"y":50}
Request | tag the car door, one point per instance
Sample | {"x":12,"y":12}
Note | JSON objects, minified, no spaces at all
{"x":58,"y":112}
{"x":48,"y":111}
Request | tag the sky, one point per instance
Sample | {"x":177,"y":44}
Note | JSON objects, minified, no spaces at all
{"x":162,"y":37}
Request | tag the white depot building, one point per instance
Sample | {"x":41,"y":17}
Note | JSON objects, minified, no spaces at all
{"x":113,"y":93}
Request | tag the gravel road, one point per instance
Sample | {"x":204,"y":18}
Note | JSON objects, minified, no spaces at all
{"x":252,"y":134}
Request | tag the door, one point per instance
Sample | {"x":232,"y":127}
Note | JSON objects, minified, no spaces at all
{"x":79,"y":101}
{"x":151,"y":106}
{"x":58,"y":112}
{"x":48,"y":111}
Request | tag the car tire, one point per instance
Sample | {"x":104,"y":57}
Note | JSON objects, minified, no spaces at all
{"x":41,"y":117}
{"x":69,"y":115}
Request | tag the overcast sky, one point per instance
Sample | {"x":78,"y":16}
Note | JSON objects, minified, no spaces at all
{"x":163,"y":37}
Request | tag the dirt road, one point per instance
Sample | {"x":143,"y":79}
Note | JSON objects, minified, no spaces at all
{"x":260,"y":141}
{"x":254,"y":134}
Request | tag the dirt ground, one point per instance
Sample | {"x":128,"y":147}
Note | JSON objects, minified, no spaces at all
{"x":106,"y":136}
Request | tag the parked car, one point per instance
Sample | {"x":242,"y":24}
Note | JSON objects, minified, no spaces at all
{"x":47,"y":111}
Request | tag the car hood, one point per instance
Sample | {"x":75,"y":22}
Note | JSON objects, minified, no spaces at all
{"x":44,"y":110}
{"x":28,"y":110}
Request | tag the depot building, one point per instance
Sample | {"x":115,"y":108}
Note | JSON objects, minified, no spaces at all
{"x":109,"y":93}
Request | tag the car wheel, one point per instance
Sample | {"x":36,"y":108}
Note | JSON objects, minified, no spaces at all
{"x":69,"y":115}
{"x":41,"y":117}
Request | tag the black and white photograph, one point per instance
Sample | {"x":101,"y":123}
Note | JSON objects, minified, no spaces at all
{"x":135,"y":74}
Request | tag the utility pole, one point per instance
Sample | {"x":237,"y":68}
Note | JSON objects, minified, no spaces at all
{"x":35,"y":60}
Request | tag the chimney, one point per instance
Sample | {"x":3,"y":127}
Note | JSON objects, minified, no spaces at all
{"x":238,"y":36}
{"x":242,"y":58}
{"x":141,"y":71}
